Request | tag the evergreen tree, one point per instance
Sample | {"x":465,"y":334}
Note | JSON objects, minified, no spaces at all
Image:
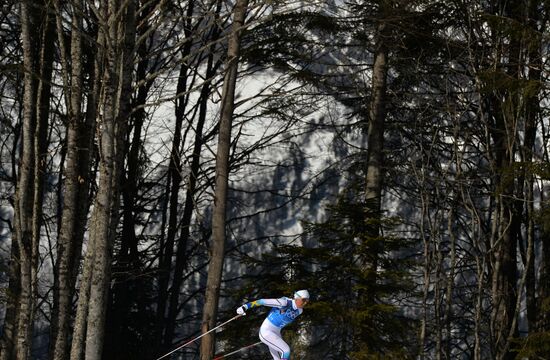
{"x":341,"y":322}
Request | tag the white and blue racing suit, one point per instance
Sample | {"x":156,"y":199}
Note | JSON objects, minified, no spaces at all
{"x":283,"y":312}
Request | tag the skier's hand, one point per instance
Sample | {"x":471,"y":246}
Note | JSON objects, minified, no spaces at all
{"x":241,"y":310}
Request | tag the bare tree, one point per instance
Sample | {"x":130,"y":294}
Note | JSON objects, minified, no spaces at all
{"x":175,"y":173}
{"x":503,"y":113}
{"x":189,"y":206}
{"x":37,"y":37}
{"x":210,"y":309}
{"x":118,"y":35}
{"x":77,"y":176}
{"x":125,"y":290}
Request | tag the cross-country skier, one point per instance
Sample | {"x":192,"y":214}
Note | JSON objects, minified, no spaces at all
{"x":284,"y":311}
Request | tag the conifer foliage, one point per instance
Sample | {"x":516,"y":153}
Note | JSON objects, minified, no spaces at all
{"x":345,"y":323}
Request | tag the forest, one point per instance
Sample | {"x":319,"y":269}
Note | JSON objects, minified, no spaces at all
{"x":163,"y":162}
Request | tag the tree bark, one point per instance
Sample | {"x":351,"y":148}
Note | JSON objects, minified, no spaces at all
{"x":532,"y":111}
{"x":181,"y":256}
{"x":504,"y":267}
{"x":12,"y":308}
{"x":173,"y":187}
{"x":375,"y":159}
{"x":24,"y":191}
{"x":217,"y":251}
{"x":79,"y":328}
{"x":377,"y":115}
{"x":126,"y":285}
{"x":76,"y":185}
{"x":37,"y":38}
{"x":504,"y":282}
{"x":112,"y":126}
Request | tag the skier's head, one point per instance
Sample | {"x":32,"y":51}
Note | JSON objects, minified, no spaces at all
{"x":301,"y":294}
{"x":301,"y":297}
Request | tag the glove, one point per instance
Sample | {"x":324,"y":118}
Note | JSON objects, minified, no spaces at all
{"x":241,"y":310}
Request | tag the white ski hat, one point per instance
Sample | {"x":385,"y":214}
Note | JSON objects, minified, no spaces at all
{"x":301,"y":294}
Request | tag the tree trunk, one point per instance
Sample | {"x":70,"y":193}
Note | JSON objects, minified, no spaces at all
{"x":543,"y":293}
{"x":375,"y":161}
{"x":126,"y":285}
{"x":76,"y":185}
{"x":505,"y":275}
{"x":37,"y":38}
{"x":12,"y":308}
{"x":24,"y":190}
{"x":118,"y":87}
{"x":504,"y":266}
{"x":217,"y":251}
{"x":79,"y":328}
{"x":377,"y":115}
{"x":117,"y":79}
{"x":173,"y":186}
{"x":532,"y":111}
{"x":181,"y":257}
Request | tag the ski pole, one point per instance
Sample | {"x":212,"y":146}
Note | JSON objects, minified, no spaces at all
{"x":236,"y":351}
{"x":198,"y":337}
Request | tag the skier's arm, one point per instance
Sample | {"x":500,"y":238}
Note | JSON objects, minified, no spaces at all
{"x":268,"y":302}
{"x":262,"y":302}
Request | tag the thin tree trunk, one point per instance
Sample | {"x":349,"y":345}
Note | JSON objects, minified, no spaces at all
{"x":79,"y":328}
{"x":213,"y":282}
{"x":37,"y":38}
{"x":480,"y":270}
{"x":504,"y":268}
{"x":377,"y":115}
{"x":173,"y":187}
{"x":181,"y":258}
{"x":424,"y":332}
{"x":450,"y":287}
{"x":532,"y":111}
{"x":40,"y":161}
{"x":127,"y":259}
{"x":117,"y":78}
{"x":12,"y":308}
{"x":375,"y":158}
{"x":24,"y":192}
{"x":117,"y":82}
{"x":76,"y":186}
{"x":505,"y":120}
{"x":505,"y":272}
{"x":543,"y":293}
